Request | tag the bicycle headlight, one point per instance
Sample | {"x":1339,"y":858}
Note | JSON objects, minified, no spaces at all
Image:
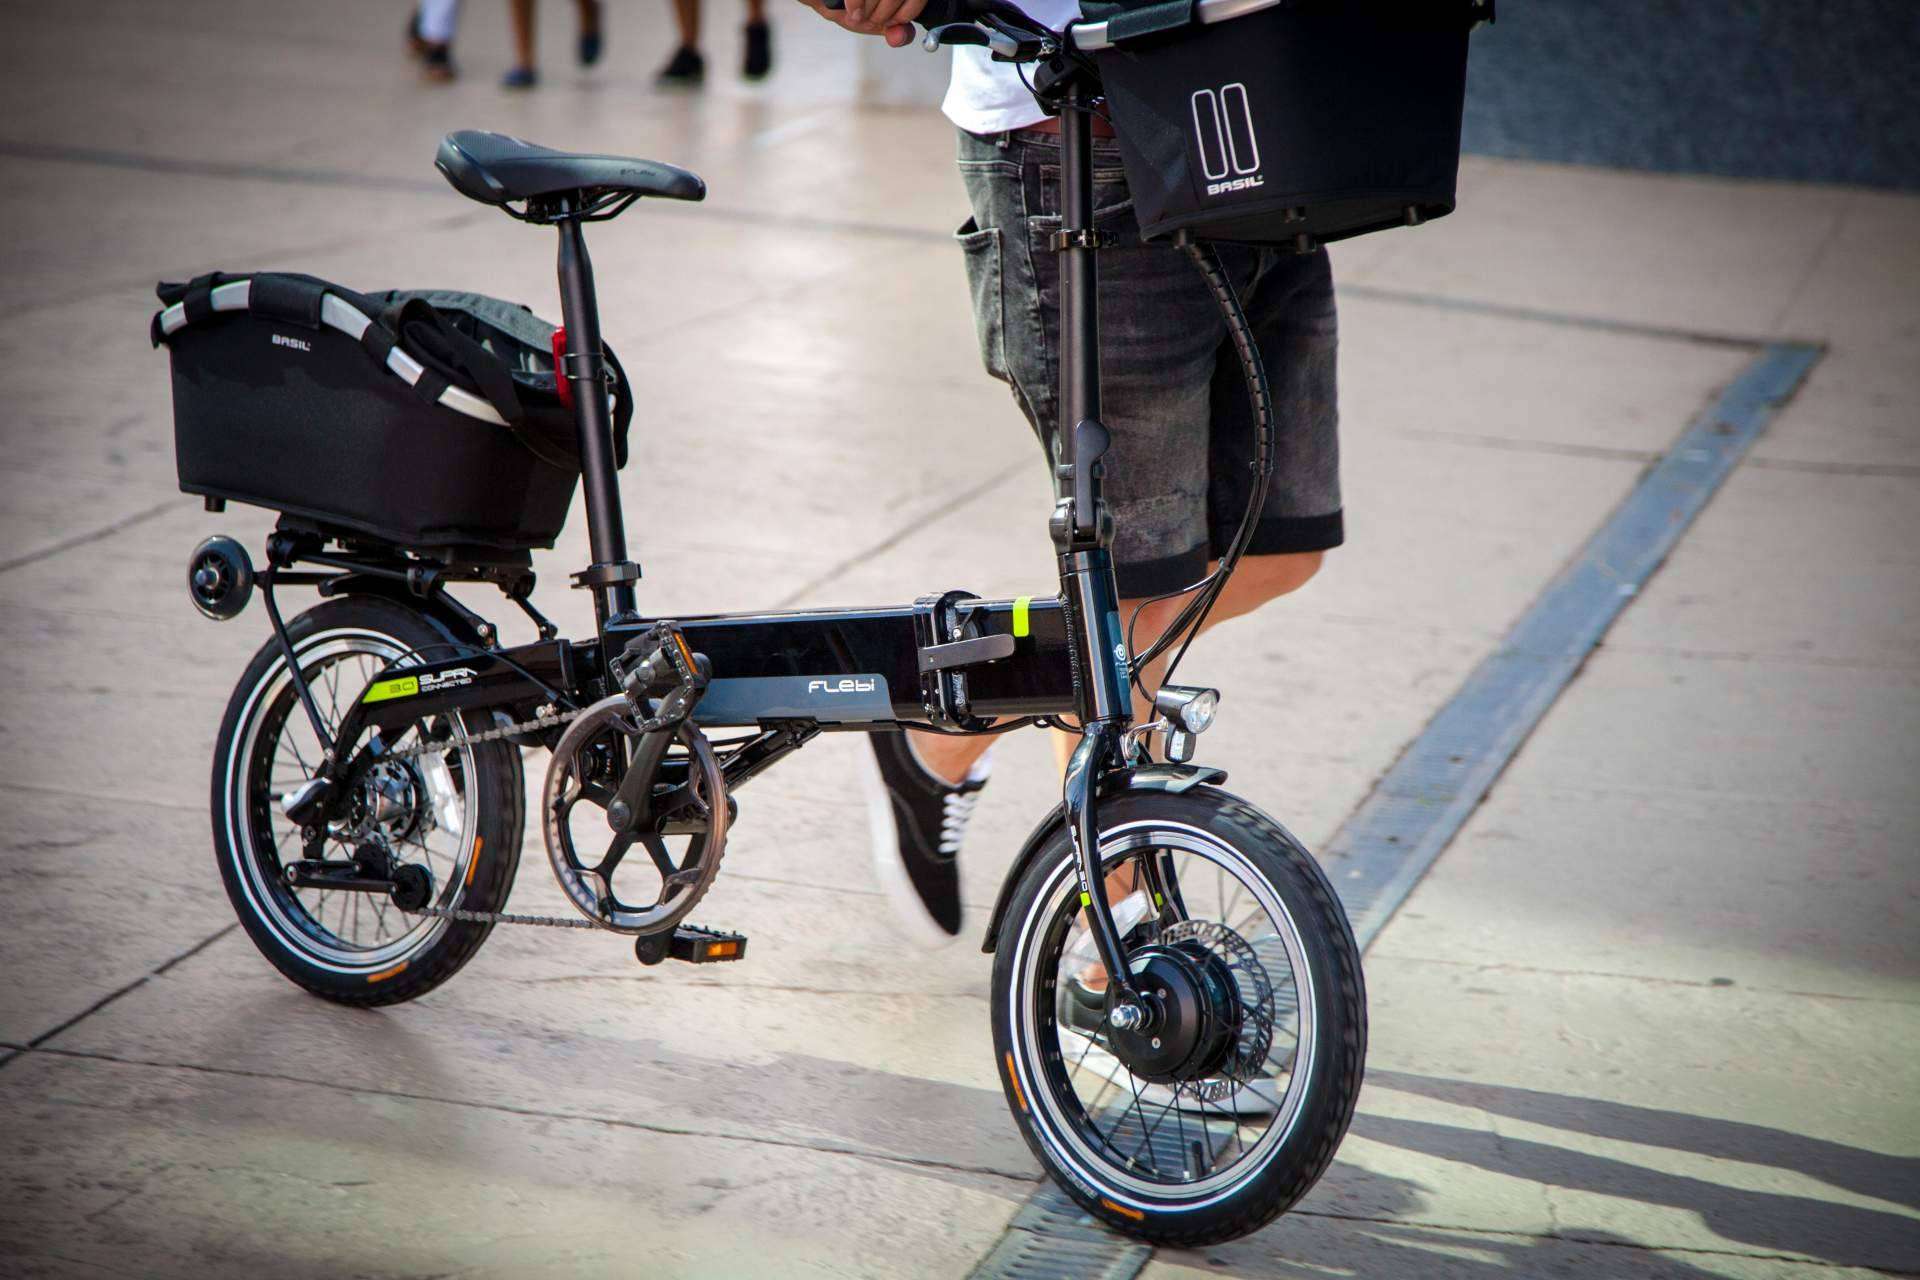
{"x":1188,"y":709}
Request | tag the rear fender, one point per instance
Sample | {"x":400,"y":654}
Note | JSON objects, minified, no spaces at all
{"x":1174,"y":778}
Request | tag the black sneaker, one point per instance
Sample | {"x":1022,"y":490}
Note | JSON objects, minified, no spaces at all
{"x":592,"y":41}
{"x":917,"y":822}
{"x":436,"y":63}
{"x":759,"y":59}
{"x":685,"y":70}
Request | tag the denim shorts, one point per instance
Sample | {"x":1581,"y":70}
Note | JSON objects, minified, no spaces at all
{"x":1179,"y":474}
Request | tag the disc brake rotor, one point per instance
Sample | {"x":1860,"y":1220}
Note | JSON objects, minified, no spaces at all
{"x":587,"y":850}
{"x":1250,"y":1037}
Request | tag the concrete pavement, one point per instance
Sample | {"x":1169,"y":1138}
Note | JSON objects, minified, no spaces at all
{"x":1653,"y":1014}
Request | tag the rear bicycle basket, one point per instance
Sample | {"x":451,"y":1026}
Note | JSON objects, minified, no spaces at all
{"x":361,"y":413}
{"x":1302,"y":122}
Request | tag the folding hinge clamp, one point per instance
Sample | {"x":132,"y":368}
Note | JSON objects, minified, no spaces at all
{"x":1087,"y":239}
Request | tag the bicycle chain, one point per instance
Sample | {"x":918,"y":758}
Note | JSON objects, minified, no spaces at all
{"x":489,"y":735}
{"x":504,"y":917}
{"x":459,"y":914}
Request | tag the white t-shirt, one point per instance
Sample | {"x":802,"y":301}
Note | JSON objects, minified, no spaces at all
{"x":985,"y":96}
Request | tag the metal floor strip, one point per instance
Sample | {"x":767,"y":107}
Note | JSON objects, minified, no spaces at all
{"x":1390,"y":841}
{"x":1412,"y":814}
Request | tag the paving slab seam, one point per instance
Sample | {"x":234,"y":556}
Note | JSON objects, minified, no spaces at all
{"x":1571,"y":320}
{"x":715,"y":985}
{"x":86,"y":297}
{"x":92,"y":535}
{"x":504,"y":1108}
{"x":34,"y":1045}
{"x":1554,"y":448}
{"x":1634,"y":1246}
{"x":1711,"y":984}
{"x":1889,"y":470}
{"x":1760,"y":656}
{"x":887,"y":542}
{"x":1390,"y":841}
{"x":1866,"y":805}
{"x":34,"y":788}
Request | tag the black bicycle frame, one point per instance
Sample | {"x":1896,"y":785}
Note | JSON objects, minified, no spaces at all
{"x":952,"y":662}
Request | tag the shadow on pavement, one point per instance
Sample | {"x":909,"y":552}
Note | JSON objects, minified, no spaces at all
{"x":1870,"y":1173}
{"x":1335,"y":1234}
{"x":1773,"y":1221}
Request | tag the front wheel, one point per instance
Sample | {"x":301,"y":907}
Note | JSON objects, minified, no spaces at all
{"x":451,"y":808}
{"x":1227,"y":1107}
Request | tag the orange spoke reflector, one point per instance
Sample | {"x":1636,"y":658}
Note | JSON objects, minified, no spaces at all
{"x":1122,"y":1210}
{"x":1014,"y":1080}
{"x":384,"y":974}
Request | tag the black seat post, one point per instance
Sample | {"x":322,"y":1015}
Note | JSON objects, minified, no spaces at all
{"x":611,"y":576}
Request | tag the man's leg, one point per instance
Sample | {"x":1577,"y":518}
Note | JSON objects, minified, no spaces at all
{"x":1257,"y":580}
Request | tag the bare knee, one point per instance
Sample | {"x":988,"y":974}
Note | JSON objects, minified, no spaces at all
{"x":1262,"y":578}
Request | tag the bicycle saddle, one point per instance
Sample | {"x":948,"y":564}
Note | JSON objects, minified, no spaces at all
{"x":496,"y":169}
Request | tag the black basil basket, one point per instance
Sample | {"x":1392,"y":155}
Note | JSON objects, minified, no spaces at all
{"x":1285,"y":123}
{"x":423,"y":418}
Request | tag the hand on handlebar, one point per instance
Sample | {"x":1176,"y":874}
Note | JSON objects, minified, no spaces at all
{"x":892,"y":19}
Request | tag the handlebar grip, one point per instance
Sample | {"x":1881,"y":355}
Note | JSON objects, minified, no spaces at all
{"x":937,"y":13}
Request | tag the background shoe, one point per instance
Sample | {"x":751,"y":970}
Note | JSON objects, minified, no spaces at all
{"x":685,"y":70}
{"x":916,"y":823}
{"x":759,"y":56}
{"x":520,"y":78}
{"x":591,"y":39}
{"x":436,"y":63}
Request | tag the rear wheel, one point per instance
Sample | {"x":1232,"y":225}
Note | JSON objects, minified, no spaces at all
{"x":454,"y":811}
{"x":1226,"y":1109}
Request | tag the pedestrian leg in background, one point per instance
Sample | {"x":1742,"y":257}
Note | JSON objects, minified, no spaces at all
{"x":687,"y":69}
{"x":757,"y":57}
{"x":430,"y":37}
{"x":523,"y":74}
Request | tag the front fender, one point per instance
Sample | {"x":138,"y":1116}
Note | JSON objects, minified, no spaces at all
{"x":1175,"y":778}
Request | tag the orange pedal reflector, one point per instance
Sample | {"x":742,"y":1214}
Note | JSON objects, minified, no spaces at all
{"x":697,"y":945}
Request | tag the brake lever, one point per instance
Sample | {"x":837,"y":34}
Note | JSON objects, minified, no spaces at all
{"x":954,"y":33}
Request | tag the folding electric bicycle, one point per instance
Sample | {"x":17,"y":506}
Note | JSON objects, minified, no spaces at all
{"x":1177,"y":1003}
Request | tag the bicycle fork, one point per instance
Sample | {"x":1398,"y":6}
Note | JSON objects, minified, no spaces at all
{"x":1082,"y":529}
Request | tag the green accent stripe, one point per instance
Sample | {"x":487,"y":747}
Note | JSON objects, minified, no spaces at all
{"x":1022,"y":619}
{"x":402,"y":687}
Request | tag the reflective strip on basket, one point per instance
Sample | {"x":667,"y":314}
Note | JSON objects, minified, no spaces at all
{"x":228,"y":297}
{"x":1090,"y":36}
{"x":336,"y":313}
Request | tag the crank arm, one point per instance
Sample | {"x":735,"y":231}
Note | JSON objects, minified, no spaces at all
{"x":346,"y":876}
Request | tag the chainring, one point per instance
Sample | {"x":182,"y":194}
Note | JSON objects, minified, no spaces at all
{"x":588,"y":764}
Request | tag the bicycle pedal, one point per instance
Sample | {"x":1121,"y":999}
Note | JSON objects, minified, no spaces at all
{"x":692,"y":943}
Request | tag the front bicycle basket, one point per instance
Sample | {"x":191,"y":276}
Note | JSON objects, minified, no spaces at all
{"x":1300,"y":122}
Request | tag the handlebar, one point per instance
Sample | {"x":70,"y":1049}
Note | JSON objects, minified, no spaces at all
{"x":940,"y":13}
{"x":937,"y":13}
